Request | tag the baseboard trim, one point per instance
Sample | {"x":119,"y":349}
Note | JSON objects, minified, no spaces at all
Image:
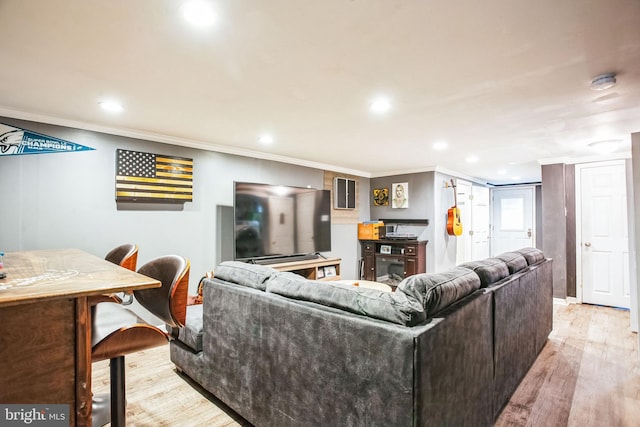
{"x":565,"y":301}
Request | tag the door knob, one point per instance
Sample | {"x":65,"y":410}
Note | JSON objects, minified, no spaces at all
{"x":587,"y":244}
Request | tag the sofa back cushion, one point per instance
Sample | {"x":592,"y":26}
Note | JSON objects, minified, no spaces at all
{"x":389,"y":306}
{"x":245,"y":274}
{"x":532,"y":255}
{"x":489,"y":270}
{"x":515,"y":261}
{"x":436,"y":291}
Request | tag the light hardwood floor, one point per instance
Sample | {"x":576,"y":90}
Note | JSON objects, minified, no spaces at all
{"x":588,"y":374}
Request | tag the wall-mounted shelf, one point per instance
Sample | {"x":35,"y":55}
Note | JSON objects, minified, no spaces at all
{"x":406,"y":221}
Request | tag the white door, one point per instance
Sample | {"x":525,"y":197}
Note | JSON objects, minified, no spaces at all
{"x":473,"y":202}
{"x":480,"y":208}
{"x":464,"y":241}
{"x":513,"y":219}
{"x":603,"y":240}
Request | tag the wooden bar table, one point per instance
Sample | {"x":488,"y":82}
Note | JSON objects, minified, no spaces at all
{"x":45,"y":325}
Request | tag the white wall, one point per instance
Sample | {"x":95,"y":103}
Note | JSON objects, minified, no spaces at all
{"x":445,"y":246}
{"x":68,"y":200}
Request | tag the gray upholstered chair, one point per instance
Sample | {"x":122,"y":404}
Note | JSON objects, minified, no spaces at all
{"x":117,"y":330}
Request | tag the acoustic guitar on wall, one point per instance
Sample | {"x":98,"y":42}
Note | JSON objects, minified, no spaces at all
{"x":454,"y":226}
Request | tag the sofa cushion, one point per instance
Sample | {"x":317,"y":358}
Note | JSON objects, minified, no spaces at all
{"x":245,"y":274}
{"x":532,"y":255}
{"x":191,"y":333}
{"x":515,"y":261}
{"x":436,"y":291}
{"x":489,"y":270}
{"x":389,"y":306}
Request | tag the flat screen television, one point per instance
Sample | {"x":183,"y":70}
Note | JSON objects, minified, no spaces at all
{"x":273,"y":221}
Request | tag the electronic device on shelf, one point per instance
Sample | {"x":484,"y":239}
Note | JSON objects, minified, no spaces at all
{"x":401,"y":236}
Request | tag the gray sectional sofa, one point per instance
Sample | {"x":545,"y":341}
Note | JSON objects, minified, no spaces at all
{"x":444,"y":349}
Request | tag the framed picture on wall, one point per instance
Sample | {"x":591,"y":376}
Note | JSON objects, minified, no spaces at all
{"x":400,"y":193}
{"x":380,"y":197}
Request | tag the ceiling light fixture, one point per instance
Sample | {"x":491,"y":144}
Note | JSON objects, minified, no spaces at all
{"x":111,"y":106}
{"x":440,"y":146}
{"x":471,"y":159}
{"x":603,"y":81}
{"x":198,"y":13}
{"x":380,"y":105}
{"x":265,"y":139}
{"x":606,"y":146}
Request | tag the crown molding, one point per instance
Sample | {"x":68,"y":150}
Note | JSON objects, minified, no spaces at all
{"x":167,"y":139}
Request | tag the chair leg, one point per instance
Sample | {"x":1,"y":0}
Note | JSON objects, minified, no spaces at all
{"x":118,"y":398}
{"x":101,"y":410}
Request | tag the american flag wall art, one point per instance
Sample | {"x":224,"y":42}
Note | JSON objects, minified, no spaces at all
{"x":153,"y":178}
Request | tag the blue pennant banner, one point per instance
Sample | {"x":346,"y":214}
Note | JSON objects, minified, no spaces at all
{"x":15,"y":142}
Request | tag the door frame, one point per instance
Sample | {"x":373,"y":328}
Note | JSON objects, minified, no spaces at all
{"x":492,"y":207}
{"x":475,"y":207}
{"x":578,"y":207}
{"x":463,"y":242}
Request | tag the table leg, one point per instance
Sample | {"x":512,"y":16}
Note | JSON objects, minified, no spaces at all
{"x":83,"y":362}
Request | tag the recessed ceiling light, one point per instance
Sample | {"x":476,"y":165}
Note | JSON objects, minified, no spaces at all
{"x":111,"y":106}
{"x":440,"y":146}
{"x":471,"y":159}
{"x":265,"y":139}
{"x":380,"y":105}
{"x":198,"y":13}
{"x":502,"y":172}
{"x":515,"y":178}
{"x":603,"y":81}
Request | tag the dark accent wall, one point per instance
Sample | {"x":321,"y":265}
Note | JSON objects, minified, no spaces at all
{"x":554,"y":224}
{"x":559,"y":226}
{"x":538,"y":214}
{"x":570,"y":203}
{"x":421,"y":196}
{"x":422,"y":205}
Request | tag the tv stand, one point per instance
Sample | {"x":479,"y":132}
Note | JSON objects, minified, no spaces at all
{"x":278,"y":259}
{"x":391,"y":260}
{"x":317,"y":268}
